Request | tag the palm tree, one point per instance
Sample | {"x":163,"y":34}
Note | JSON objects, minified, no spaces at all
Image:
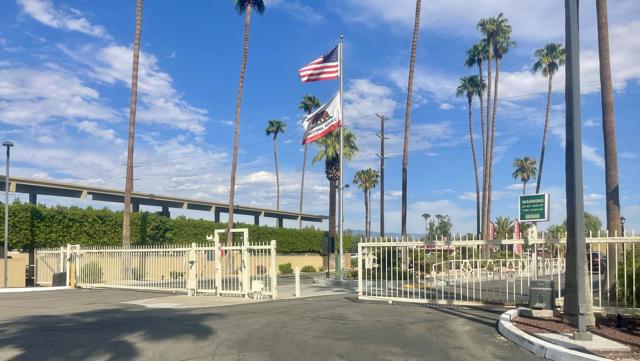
{"x":549,"y":59}
{"x":407,"y":120}
{"x":309,"y":103}
{"x":128,"y":188}
{"x":498,"y":34}
{"x":274,"y":128}
{"x":426,"y":217}
{"x":476,"y":55}
{"x":472,"y":86}
{"x":488,"y":28}
{"x":525,"y":168}
{"x":503,"y":226}
{"x":608,"y":121}
{"x":329,"y":151}
{"x":366,"y":180}
{"x":242,"y":7}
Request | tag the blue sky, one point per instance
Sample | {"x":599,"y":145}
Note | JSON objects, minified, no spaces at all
{"x":64,"y":90}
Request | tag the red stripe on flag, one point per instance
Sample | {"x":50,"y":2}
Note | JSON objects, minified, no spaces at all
{"x":325,"y":132}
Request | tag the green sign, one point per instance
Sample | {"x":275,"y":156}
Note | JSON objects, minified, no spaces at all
{"x":534,"y":208}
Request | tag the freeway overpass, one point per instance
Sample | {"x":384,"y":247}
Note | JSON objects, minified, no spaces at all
{"x":35,"y":187}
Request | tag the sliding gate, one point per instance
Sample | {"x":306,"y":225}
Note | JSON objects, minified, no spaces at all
{"x":238,"y":269}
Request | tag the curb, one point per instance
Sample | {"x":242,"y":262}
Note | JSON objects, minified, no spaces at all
{"x":33,"y":289}
{"x":538,"y":346}
{"x":347,"y":284}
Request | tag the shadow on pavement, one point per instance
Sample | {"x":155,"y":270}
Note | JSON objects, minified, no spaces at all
{"x":106,"y":334}
{"x":470,"y":316}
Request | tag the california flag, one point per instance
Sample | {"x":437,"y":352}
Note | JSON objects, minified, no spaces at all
{"x":322,"y":121}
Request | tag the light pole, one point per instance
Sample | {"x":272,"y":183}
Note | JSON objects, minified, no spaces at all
{"x":7,"y":144}
{"x":575,"y":301}
{"x":622,"y":219}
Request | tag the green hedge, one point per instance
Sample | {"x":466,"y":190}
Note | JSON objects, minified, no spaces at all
{"x":39,"y":226}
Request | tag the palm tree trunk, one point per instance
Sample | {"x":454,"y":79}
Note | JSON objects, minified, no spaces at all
{"x":128,"y":188}
{"x":544,"y":137}
{"x":524,"y":188}
{"x":610,"y":144}
{"x":407,"y":120}
{"x":304,"y":166}
{"x":493,"y":140}
{"x":475,"y":169}
{"x":485,"y":160}
{"x":275,"y":157}
{"x":366,"y":214}
{"x":236,"y":132}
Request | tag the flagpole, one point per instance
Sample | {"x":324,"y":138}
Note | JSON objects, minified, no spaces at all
{"x":342,"y":182}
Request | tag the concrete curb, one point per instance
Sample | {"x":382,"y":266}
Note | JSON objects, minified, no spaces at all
{"x":538,"y":346}
{"x":33,"y":289}
{"x":348,"y":284}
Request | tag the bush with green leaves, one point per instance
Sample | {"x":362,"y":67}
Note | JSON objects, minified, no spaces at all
{"x":39,"y":226}
{"x":90,"y":273}
{"x":285,"y":268}
{"x":308,"y":268}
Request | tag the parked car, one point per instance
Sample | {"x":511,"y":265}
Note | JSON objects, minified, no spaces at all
{"x":598,"y":262}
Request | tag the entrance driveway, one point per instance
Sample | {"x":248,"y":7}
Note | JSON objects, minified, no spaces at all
{"x":97,"y":325}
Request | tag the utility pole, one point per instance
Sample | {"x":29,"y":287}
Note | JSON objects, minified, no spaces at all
{"x":6,"y":214}
{"x":382,"y":158}
{"x":575,"y":301}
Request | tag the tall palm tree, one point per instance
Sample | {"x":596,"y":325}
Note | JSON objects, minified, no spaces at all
{"x":472,"y":86}
{"x":128,"y":188}
{"x":498,"y":33}
{"x":503,"y":226}
{"x":329,"y":151}
{"x":274,"y":128}
{"x":242,"y":7}
{"x":549,"y":59}
{"x":608,"y":121}
{"x":407,"y":120}
{"x":366,"y":180}
{"x":476,"y":55}
{"x":308,"y":104}
{"x":525,"y":168}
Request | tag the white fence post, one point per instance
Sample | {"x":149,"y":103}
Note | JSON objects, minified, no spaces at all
{"x":192,"y":278}
{"x":359,"y":269}
{"x":274,"y":271}
{"x":245,"y":268}
{"x":297,"y":274}
{"x":217,"y":265}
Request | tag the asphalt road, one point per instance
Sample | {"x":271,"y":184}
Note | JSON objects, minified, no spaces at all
{"x":95,"y":325}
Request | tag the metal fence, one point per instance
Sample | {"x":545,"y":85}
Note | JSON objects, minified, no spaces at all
{"x":476,"y":271}
{"x":239,"y":269}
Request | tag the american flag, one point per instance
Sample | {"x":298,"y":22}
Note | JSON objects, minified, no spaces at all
{"x":324,"y":68}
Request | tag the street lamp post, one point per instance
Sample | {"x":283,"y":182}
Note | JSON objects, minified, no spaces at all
{"x":575,"y":302}
{"x":6,"y":214}
{"x":622,"y":219}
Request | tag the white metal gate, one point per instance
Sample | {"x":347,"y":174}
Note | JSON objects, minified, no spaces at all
{"x":473,"y":271}
{"x":240,"y":269}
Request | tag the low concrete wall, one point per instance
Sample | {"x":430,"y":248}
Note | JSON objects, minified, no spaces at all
{"x":17,"y":265}
{"x":315,"y":260}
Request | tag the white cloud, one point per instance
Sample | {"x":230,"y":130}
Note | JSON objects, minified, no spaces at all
{"x":364,"y":98}
{"x":445,"y":106}
{"x":590,"y":154}
{"x":45,"y":12}
{"x":30,"y":96}
{"x":297,"y":9}
{"x":94,"y":129}
{"x":159,"y":101}
{"x":533,"y":21}
{"x":628,"y":155}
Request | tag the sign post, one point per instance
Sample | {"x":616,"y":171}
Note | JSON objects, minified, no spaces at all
{"x":534,"y":207}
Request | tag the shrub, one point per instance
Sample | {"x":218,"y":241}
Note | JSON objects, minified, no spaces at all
{"x":308,"y":268}
{"x":176,"y":275}
{"x":285,"y":268}
{"x":38,"y":226}
{"x":91,"y":273}
{"x":261,"y":269}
